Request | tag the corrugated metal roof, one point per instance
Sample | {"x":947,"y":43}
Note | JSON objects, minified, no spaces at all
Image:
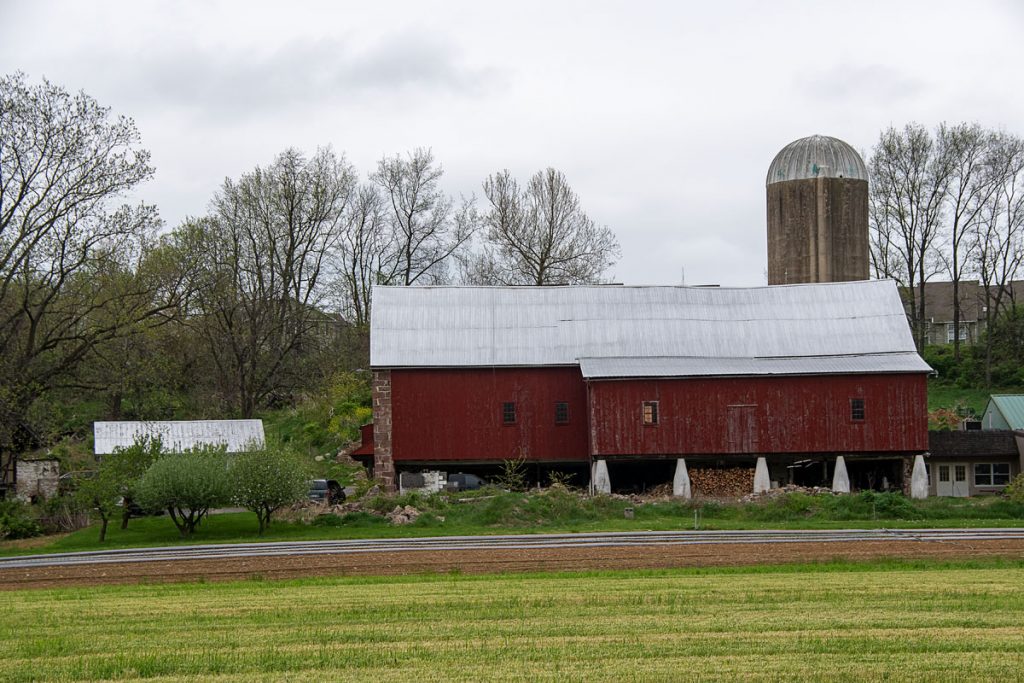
{"x":178,"y":436}
{"x":1011,"y":406}
{"x":817,"y":156}
{"x":606,"y":368}
{"x":530,"y":326}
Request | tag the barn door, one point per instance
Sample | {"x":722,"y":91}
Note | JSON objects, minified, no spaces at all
{"x":742,"y":428}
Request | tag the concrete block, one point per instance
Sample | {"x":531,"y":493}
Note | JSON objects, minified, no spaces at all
{"x":681,"y":482}
{"x":919,"y":479}
{"x":600,"y":480}
{"x":762,"y":482}
{"x":840,"y":479}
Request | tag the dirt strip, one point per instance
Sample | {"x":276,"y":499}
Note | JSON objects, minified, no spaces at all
{"x":500,"y":560}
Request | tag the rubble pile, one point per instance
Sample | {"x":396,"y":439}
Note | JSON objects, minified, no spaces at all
{"x":403,"y":515}
{"x":783,"y":490}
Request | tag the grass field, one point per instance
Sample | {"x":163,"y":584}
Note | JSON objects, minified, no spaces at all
{"x":561,"y":511}
{"x":899,"y":621}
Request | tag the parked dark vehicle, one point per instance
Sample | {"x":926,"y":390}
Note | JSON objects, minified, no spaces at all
{"x":461,"y":481}
{"x":326,"y":491}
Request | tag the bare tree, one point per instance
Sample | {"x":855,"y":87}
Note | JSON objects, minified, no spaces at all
{"x":427,"y":228}
{"x":69,"y":258}
{"x":540,"y":235}
{"x":967,"y":148}
{"x":366,"y":250}
{"x":999,"y":232}
{"x":264,"y":254}
{"x":910,"y":176}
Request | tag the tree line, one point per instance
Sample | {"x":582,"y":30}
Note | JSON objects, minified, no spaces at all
{"x":245,"y":305}
{"x":948,"y":204}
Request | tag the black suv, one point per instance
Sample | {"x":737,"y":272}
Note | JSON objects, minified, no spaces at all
{"x":326,"y":491}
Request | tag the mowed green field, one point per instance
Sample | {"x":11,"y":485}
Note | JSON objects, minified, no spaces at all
{"x":840,"y":622}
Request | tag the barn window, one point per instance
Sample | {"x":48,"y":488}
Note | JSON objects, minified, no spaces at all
{"x":857,"y":409}
{"x":561,"y":413}
{"x":650,"y":412}
{"x":992,"y":474}
{"x":508,"y":412}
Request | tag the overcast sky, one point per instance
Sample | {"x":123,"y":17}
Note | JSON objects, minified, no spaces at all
{"x":664,"y":116}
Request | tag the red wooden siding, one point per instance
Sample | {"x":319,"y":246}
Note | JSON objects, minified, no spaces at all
{"x":760,"y":415}
{"x":456,"y":414}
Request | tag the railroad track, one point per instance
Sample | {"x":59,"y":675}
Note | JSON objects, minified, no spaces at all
{"x":510,"y":542}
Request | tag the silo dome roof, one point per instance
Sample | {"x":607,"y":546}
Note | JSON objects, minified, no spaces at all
{"x":817,"y":156}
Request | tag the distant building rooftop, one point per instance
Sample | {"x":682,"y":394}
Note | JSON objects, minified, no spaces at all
{"x":177,"y":436}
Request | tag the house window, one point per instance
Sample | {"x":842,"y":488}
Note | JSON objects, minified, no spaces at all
{"x":961,"y":472}
{"x":508,"y":412}
{"x":951,"y":333}
{"x":992,"y":474}
{"x":943,"y":473}
{"x":650,"y":412}
{"x":561,"y":413}
{"x":857,"y":409}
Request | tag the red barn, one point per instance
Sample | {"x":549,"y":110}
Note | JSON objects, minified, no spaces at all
{"x":565,"y":376}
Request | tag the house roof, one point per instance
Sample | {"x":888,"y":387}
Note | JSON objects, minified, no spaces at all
{"x":598,"y":368}
{"x":178,"y":436}
{"x":733,"y":329}
{"x":972,"y":444}
{"x":1011,"y":407}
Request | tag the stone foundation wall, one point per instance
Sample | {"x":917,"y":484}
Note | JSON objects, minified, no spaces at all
{"x":383,"y":465}
{"x":37,"y":479}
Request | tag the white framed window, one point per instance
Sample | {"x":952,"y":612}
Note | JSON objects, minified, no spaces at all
{"x":951,"y":332}
{"x":992,"y":474}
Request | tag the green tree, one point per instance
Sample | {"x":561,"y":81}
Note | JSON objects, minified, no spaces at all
{"x":101,"y":492}
{"x":264,"y":261}
{"x":187,"y":485}
{"x":112,"y":486}
{"x":69,"y":255}
{"x":266,"y":480}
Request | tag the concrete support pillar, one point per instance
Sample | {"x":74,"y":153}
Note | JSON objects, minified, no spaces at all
{"x":762,"y":482}
{"x":599,"y":479}
{"x":840,"y":480}
{"x":681,"y":482}
{"x":919,"y":479}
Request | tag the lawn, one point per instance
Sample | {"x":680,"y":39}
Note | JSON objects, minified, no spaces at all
{"x":558,"y":510}
{"x":951,"y":396}
{"x":900,"y":621}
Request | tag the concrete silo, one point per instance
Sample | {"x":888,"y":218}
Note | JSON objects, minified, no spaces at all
{"x":817,"y":213}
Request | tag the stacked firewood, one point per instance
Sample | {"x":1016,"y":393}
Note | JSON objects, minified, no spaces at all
{"x":727,"y":482}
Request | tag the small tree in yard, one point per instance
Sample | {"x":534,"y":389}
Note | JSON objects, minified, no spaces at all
{"x":112,"y":487}
{"x":267,"y":480}
{"x":187,"y":486}
{"x":101,"y":492}
{"x":127,"y":465}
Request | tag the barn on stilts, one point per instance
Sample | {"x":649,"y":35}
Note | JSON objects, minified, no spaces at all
{"x":794,"y":381}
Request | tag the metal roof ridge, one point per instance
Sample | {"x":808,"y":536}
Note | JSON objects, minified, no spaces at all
{"x":816,"y":355}
{"x":619,"y":285}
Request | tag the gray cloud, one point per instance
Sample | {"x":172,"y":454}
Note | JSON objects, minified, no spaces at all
{"x":871,"y":82}
{"x":300,"y":73}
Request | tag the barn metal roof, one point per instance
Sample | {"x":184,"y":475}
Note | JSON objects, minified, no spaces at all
{"x":607,"y":368}
{"x":1011,"y":407}
{"x":817,"y":156}
{"x":178,"y":436}
{"x":536,"y":326}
